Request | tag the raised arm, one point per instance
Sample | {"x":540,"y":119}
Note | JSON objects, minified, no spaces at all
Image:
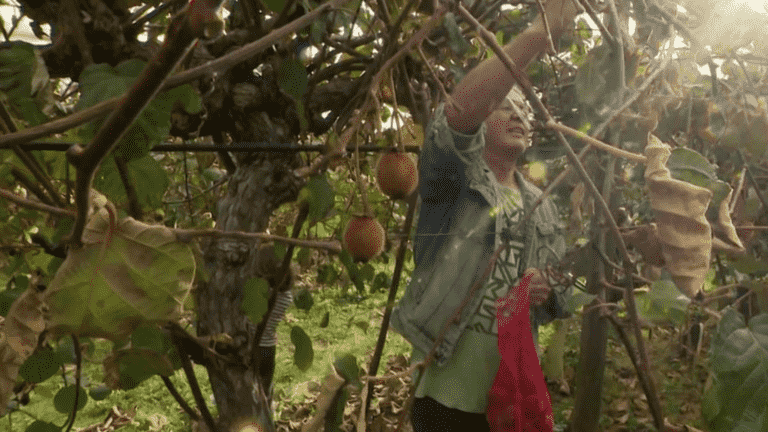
{"x":485,"y":86}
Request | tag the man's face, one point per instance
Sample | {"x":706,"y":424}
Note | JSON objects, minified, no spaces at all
{"x":506,"y":133}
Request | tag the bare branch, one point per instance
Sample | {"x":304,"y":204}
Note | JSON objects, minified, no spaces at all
{"x":222,"y":63}
{"x":550,"y":43}
{"x":414,"y":41}
{"x":36,"y":205}
{"x":184,"y":30}
{"x":593,"y":14}
{"x":186,"y":235}
{"x":615,"y":151}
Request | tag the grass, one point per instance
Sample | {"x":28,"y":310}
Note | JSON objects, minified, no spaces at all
{"x":155,"y":409}
{"x":353,"y":328}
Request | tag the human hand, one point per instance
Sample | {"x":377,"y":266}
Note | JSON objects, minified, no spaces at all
{"x":539,"y":288}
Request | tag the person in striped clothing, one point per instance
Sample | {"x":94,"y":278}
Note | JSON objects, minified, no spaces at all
{"x":268,"y":267}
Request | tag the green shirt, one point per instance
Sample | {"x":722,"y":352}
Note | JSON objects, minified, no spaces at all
{"x":464,"y":215}
{"x":477,"y":349}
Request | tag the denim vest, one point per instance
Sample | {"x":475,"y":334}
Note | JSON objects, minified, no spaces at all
{"x":457,"y":233}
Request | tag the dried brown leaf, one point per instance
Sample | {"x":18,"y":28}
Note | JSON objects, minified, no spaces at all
{"x":680,"y":209}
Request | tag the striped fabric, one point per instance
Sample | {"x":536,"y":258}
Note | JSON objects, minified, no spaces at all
{"x":283,"y":301}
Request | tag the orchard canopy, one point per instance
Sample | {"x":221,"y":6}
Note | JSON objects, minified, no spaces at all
{"x":144,"y":143}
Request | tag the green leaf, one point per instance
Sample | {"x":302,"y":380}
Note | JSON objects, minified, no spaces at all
{"x":326,"y":274}
{"x":690,"y":166}
{"x":22,"y":75}
{"x":735,"y":400}
{"x":578,"y":299}
{"x":367,"y":272}
{"x":292,"y":78}
{"x":684,"y":159}
{"x":65,"y":399}
{"x":100,"y":392}
{"x":583,"y":29}
{"x":319,"y":195}
{"x":303,"y":123}
{"x":65,"y":351}
{"x":750,"y":265}
{"x":325,"y":320}
{"x":662,"y":303}
{"x":119,"y":278}
{"x":280,"y":249}
{"x":130,"y":68}
{"x":316,"y":31}
{"x":380,"y":281}
{"x":7,"y":297}
{"x":40,"y":366}
{"x":352,"y":270}
{"x":275,"y":5}
{"x":255,"y":299}
{"x":599,"y":71}
{"x":456,"y":40}
{"x":190,"y":100}
{"x":147,"y":175}
{"x":101,"y":82}
{"x":136,"y":365}
{"x":347,"y":367}
{"x":363,"y":325}
{"x":304,"y":257}
{"x":303,"y":355}
{"x":41,"y":426}
{"x":304,"y":300}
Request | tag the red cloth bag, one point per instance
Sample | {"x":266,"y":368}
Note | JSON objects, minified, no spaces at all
{"x":519,"y":398}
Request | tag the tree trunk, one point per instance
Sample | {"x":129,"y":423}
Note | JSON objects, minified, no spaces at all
{"x":589,"y":379}
{"x":255,"y":191}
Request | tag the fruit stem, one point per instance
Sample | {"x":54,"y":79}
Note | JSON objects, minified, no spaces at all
{"x":396,"y":113}
{"x":359,"y":182}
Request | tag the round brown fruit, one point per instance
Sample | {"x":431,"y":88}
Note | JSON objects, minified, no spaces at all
{"x":397,"y":175}
{"x":363,"y":238}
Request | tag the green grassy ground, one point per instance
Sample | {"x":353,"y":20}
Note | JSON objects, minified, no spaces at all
{"x":353,"y":328}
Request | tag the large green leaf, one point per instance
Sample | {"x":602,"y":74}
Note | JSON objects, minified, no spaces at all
{"x":40,"y":366}
{"x":22,"y":75}
{"x":99,"y":392}
{"x":303,"y":354}
{"x":319,"y":195}
{"x":149,"y":178}
{"x":353,"y":270}
{"x":292,"y":78}
{"x":127,"y":368}
{"x":101,"y":82}
{"x":347,"y":367}
{"x":275,"y":5}
{"x":255,"y":299}
{"x":735,"y":396}
{"x":749,"y":264}
{"x":304,"y":300}
{"x":41,"y":426}
{"x":151,"y":337}
{"x":662,"y":303}
{"x":65,"y":399}
{"x":127,"y":272}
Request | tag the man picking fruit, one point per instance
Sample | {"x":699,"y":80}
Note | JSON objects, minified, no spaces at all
{"x":472,"y":200}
